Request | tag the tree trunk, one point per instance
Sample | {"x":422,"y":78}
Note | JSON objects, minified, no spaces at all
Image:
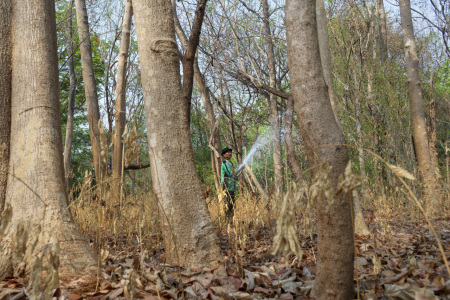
{"x":325,"y":56}
{"x":189,"y":234}
{"x":211,"y":118}
{"x":383,"y":33}
{"x":432,"y":130}
{"x":5,"y":95}
{"x":274,"y":124}
{"x":73,"y":85}
{"x":90,"y":87}
{"x":36,"y":189}
{"x":205,"y":93}
{"x":416,"y":106}
{"x":190,"y":51}
{"x":290,"y":150}
{"x":318,"y":127}
{"x":120,"y":109}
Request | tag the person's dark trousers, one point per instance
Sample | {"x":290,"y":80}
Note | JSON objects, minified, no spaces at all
{"x":229,"y":206}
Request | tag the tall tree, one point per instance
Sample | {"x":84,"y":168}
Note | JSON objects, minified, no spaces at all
{"x":189,"y":234}
{"x":205,"y":93}
{"x":36,"y":190}
{"x":325,"y":56}
{"x":5,"y":95}
{"x":71,"y":102}
{"x":419,"y":125}
{"x":120,"y":100}
{"x":274,"y":123}
{"x":90,"y":86}
{"x":323,"y":141}
{"x":381,"y":15}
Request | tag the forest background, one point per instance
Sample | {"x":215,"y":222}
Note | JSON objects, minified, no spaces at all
{"x":242,"y":99}
{"x":372,"y":101}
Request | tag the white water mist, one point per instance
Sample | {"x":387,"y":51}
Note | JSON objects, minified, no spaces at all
{"x":263,"y":139}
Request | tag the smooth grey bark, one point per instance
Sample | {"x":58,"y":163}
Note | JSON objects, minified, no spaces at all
{"x":416,"y":105}
{"x":324,"y":144}
{"x":90,"y":86}
{"x":120,"y":108}
{"x":274,"y":123}
{"x":189,"y":234}
{"x":71,"y":100}
{"x":5,"y":95}
{"x":325,"y":56}
{"x":36,"y":189}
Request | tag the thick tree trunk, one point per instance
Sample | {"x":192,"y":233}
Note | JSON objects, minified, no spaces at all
{"x":90,"y":87}
{"x":382,"y":28}
{"x":274,"y":123}
{"x":416,"y":106}
{"x":206,"y":99}
{"x":325,"y":56}
{"x":120,"y":109}
{"x":71,"y":101}
{"x":36,"y":189}
{"x":5,"y":95}
{"x":189,"y":234}
{"x":318,"y":127}
{"x":290,"y":151}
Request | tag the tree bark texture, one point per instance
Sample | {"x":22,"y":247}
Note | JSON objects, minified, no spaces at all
{"x":274,"y":124}
{"x":90,"y":87}
{"x":382,"y":29}
{"x":71,"y":100}
{"x":205,"y":93}
{"x":5,"y":95}
{"x":323,"y":141}
{"x":120,"y":109}
{"x":189,"y":234}
{"x":416,"y":105}
{"x":325,"y":56}
{"x":36,"y":189}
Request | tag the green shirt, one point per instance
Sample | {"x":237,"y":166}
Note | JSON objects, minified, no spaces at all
{"x":228,"y":179}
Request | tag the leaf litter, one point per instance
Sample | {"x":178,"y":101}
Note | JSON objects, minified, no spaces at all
{"x":405,"y":264}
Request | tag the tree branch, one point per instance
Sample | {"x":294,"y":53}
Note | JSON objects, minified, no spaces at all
{"x":189,"y":55}
{"x":136,"y":167}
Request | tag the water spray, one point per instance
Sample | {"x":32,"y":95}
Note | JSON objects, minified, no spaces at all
{"x":262,"y":140}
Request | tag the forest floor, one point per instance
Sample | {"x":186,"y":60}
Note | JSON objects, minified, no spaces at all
{"x":401,"y":261}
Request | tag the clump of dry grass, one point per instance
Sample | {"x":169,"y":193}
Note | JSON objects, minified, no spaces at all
{"x":133,"y":222}
{"x":44,"y":277}
{"x":286,"y":240}
{"x":130,"y":138}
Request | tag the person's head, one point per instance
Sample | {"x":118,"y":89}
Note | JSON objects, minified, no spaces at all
{"x":227,"y":153}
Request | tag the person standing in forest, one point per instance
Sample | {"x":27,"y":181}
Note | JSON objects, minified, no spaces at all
{"x":228,"y":183}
